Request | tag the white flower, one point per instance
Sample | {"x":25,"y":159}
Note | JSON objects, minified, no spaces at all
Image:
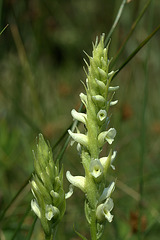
{"x":79,"y":137}
{"x":83,"y":98}
{"x":111,"y":89}
{"x":107,"y":192}
{"x":106,"y":136}
{"x":98,"y":99}
{"x":96,"y":169}
{"x":112,"y":103}
{"x":79,"y":116}
{"x":101,"y":115}
{"x":77,"y":181}
{"x":101,"y":84}
{"x":103,"y":211}
{"x":51,"y":212}
{"x":102,"y":72}
{"x":106,"y":161}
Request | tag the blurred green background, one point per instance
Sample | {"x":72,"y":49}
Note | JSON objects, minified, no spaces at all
{"x":40,"y":71}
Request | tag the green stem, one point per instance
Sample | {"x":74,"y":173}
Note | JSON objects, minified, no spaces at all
{"x":51,"y":237}
{"x":93,"y":227}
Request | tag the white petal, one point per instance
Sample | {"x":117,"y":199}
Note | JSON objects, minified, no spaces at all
{"x":77,"y":181}
{"x":112,"y":103}
{"x":107,"y":192}
{"x":80,"y":138}
{"x":96,"y":169}
{"x":108,"y":206}
{"x":35,"y":207}
{"x":112,"y":89}
{"x":102,"y":72}
{"x":111,"y":133}
{"x":103,"y":211}
{"x":98,"y":99}
{"x":111,"y":73}
{"x":70,"y":192}
{"x":79,"y":116}
{"x":113,"y":158}
{"x":106,"y":162}
{"x":108,"y":216}
{"x":100,"y":84}
{"x":54,"y":194}
{"x":83,"y":98}
{"x":101,"y":115}
{"x":51,"y":212}
{"x":106,"y":136}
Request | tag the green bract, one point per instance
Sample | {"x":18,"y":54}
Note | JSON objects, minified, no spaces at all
{"x":47,"y":188}
{"x":97,"y":100}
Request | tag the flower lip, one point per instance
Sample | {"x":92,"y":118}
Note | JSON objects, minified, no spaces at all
{"x":96,"y":168}
{"x":103,"y":211}
{"x":101,"y":115}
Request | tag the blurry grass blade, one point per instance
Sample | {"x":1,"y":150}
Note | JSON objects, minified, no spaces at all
{"x":142,"y":44}
{"x":74,"y":125}
{"x":28,"y":74}
{"x":4,"y":29}
{"x":14,"y":198}
{"x":21,"y":222}
{"x":61,"y":138}
{"x":131,"y":31}
{"x":80,"y":235}
{"x":143,"y":142}
{"x":115,"y":21}
{"x":32,"y":229}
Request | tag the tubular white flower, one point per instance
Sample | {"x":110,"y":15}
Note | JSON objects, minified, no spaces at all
{"x":51,"y":211}
{"x":83,"y":98}
{"x":112,"y":103}
{"x":111,"y":73}
{"x":107,"y":136}
{"x":96,"y":169}
{"x":112,"y":89}
{"x":111,"y":133}
{"x":54,"y":194}
{"x":102,"y":72}
{"x":101,"y":84}
{"x":103,"y":211}
{"x":103,"y":62}
{"x":98,"y":99}
{"x":101,"y":115}
{"x":79,"y":116}
{"x":35,"y":207}
{"x":77,"y":181}
{"x":79,"y":137}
